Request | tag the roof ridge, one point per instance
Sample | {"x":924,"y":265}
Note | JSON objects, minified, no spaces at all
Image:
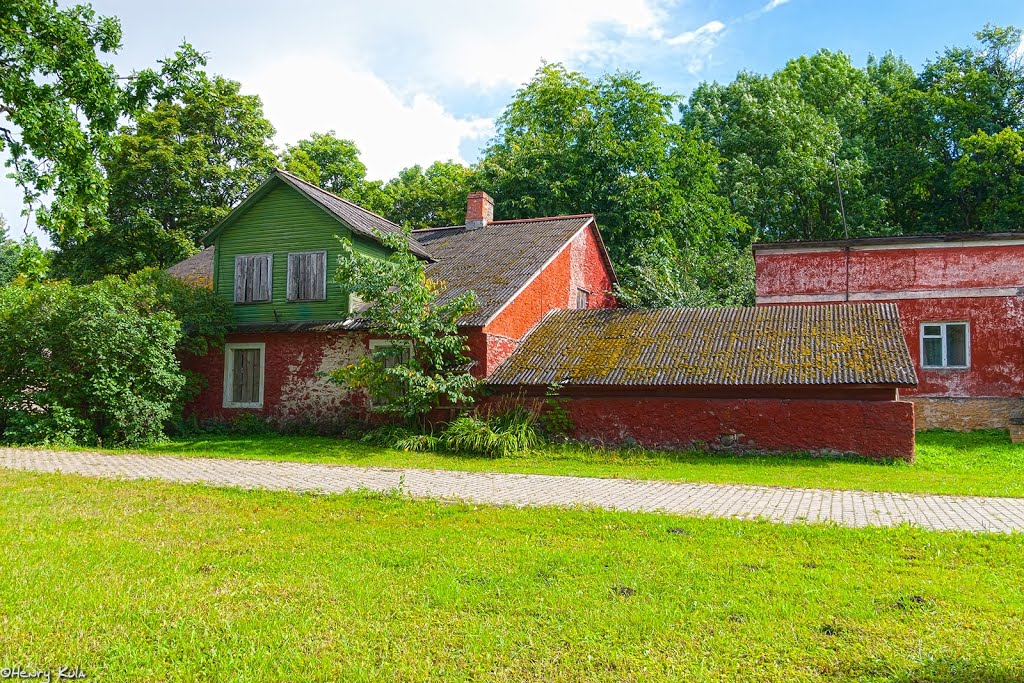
{"x":338,"y":197}
{"x":543,"y":218}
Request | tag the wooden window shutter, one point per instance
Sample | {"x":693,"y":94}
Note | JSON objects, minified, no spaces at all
{"x":253,"y":278}
{"x":245,"y":382}
{"x":307,"y":276}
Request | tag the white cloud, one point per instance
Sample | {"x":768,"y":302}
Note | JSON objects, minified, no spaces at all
{"x":698,"y":44}
{"x":303,"y":94}
{"x":704,"y":33}
{"x":491,"y":44}
{"x":1019,"y":52}
{"x":772,"y":4}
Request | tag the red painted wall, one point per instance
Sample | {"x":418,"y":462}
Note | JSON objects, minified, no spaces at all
{"x":870,"y":428}
{"x":293,"y":389}
{"x":977,"y":284}
{"x":889,"y":270}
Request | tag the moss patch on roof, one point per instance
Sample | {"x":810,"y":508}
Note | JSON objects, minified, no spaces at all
{"x":853,"y":344}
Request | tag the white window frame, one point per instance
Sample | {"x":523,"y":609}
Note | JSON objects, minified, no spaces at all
{"x":576,"y":303}
{"x":945,"y":352}
{"x":288,"y":277}
{"x":229,"y":372}
{"x":375,"y":344}
{"x":270,"y":280}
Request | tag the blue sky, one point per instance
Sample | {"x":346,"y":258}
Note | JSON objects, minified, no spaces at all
{"x":416,"y":81}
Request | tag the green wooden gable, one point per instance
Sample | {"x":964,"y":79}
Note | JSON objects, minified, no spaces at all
{"x":280,"y":218}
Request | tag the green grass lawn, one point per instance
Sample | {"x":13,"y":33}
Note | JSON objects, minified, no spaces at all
{"x":977,"y":463}
{"x":152,"y":581}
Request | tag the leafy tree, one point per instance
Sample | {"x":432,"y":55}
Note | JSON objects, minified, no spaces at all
{"x":431,"y":197}
{"x":327,"y":161}
{"x":967,"y":90}
{"x":8,"y":255}
{"x":409,"y":308}
{"x":989,"y":179}
{"x":567,"y":144}
{"x":782,"y":140}
{"x":59,"y":103}
{"x":176,"y":171}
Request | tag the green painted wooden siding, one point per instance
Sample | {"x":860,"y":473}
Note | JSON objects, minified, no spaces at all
{"x":284,"y":221}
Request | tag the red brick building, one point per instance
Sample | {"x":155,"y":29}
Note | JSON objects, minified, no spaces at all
{"x":961,"y":305}
{"x":776,"y":378}
{"x":783,"y":379}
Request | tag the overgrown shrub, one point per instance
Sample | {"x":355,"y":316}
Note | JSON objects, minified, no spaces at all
{"x":95,"y":363}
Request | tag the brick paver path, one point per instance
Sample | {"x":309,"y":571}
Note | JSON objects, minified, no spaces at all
{"x":848,"y":508}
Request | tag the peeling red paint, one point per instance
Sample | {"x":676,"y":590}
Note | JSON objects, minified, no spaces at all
{"x":977,"y":283}
{"x":295,"y":388}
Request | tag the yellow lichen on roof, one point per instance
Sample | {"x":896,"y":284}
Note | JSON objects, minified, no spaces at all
{"x":845,"y":344}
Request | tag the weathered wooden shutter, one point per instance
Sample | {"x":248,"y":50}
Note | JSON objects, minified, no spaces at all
{"x":245,"y":382}
{"x":253,"y":278}
{"x":307,"y":276}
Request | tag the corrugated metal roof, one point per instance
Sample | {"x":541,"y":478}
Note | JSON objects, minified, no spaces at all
{"x":495,"y":261}
{"x":363,"y":222}
{"x":303,"y":326}
{"x":197,"y":269}
{"x":851,"y":344}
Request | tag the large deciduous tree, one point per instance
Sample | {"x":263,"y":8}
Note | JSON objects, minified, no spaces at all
{"x":613,"y":146}
{"x":428,"y":197}
{"x":59,"y":103}
{"x":176,"y":170}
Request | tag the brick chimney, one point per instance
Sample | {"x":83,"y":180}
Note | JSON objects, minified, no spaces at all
{"x":479,"y":210}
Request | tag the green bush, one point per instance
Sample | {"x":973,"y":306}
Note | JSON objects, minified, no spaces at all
{"x":91,"y":364}
{"x":499,"y":434}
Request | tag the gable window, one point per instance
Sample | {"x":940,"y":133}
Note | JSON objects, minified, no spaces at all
{"x":401,"y":352}
{"x":253,"y":275}
{"x":243,"y":375}
{"x":307,"y":276}
{"x":582,"y":298}
{"x":945,"y":345}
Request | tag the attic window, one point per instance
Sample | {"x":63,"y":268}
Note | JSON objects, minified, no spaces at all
{"x":582,"y":298}
{"x":307,"y":276}
{"x":253,"y":278}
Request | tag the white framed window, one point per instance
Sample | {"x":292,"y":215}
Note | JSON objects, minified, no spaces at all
{"x":243,"y":374}
{"x":254,"y":278}
{"x":307,"y":276}
{"x":402,"y":352}
{"x":582,"y":298}
{"x":945,"y":345}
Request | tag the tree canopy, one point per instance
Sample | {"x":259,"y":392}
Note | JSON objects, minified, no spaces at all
{"x":60,"y":102}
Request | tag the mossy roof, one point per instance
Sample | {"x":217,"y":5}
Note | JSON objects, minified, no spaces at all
{"x":847,"y":344}
{"x":197,"y":269}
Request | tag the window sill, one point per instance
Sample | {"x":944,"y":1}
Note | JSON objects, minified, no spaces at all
{"x":249,"y":406}
{"x":951,"y":368}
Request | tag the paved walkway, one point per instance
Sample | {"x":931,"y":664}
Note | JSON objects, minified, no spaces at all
{"x":848,"y":508}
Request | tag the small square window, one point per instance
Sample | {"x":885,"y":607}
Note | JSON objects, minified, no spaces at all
{"x":582,"y":298}
{"x":945,"y":345}
{"x":243,"y":375}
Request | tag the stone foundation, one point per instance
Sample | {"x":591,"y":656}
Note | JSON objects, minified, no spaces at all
{"x":965,"y":414}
